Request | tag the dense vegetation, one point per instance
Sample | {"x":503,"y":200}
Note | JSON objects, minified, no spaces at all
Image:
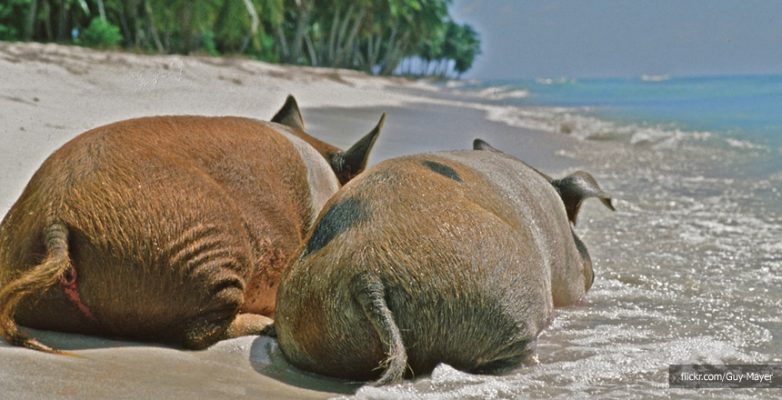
{"x":370,"y":35}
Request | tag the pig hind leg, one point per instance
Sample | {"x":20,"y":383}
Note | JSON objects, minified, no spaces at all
{"x":221,"y":319}
{"x":214,"y":270}
{"x":249,"y":324}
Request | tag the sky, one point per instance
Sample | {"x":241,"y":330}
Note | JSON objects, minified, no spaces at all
{"x":628,"y":38}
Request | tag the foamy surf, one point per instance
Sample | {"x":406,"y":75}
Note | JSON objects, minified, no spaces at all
{"x":577,"y":123}
{"x":502,"y":93}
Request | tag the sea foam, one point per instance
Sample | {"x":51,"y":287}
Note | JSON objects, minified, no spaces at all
{"x":577,"y":123}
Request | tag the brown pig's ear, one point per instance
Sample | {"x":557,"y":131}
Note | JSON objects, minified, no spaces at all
{"x":350,"y":163}
{"x":480,"y":144}
{"x":577,"y":187}
{"x":289,"y":115}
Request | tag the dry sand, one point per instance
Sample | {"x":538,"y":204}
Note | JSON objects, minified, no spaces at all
{"x":51,"y":93}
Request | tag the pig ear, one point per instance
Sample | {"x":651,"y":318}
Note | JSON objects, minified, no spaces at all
{"x":480,"y":144}
{"x":350,"y":163}
{"x":289,"y":115}
{"x":575,"y":188}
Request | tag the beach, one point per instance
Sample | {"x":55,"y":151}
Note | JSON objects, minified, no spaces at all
{"x":688,"y":267}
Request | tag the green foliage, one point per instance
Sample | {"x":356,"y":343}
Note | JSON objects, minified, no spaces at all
{"x":7,"y":32}
{"x":11,"y":11}
{"x":369,"y":35}
{"x":100,"y":33}
{"x":268,"y":52}
{"x":231,"y":25}
{"x":208,"y":40}
{"x":461,"y":45}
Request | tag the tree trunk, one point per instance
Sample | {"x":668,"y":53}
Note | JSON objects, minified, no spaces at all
{"x":29,"y":26}
{"x":254,"y":22}
{"x":311,"y":50}
{"x":137,"y":23}
{"x":283,"y":43}
{"x":341,"y":32}
{"x":369,"y":59}
{"x":394,"y":57}
{"x":62,"y":18}
{"x":101,"y":10}
{"x":47,"y":21}
{"x":151,"y":27}
{"x":302,"y":23}
{"x":359,"y":61}
{"x":186,"y":26}
{"x":123,"y":23}
{"x":389,"y":50}
{"x":332,"y":37}
{"x":353,"y":32}
{"x":375,"y":56}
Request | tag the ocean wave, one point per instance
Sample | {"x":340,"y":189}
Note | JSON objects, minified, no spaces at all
{"x":581,"y":124}
{"x":446,"y":383}
{"x":555,"y":81}
{"x":455,"y":84}
{"x":742,"y":144}
{"x":503,"y":93}
{"x":577,"y":123}
{"x":655,"y":78}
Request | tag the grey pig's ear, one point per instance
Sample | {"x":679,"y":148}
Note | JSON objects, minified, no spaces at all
{"x":480,"y":144}
{"x":352,"y":162}
{"x":289,"y":115}
{"x":575,"y":188}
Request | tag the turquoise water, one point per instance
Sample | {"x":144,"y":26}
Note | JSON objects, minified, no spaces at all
{"x":740,"y":107}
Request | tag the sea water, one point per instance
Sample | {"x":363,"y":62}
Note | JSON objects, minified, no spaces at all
{"x":689,"y":267}
{"x":746,"y":108}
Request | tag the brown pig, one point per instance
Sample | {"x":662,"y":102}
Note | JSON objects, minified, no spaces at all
{"x":452,"y":257}
{"x":173,"y":228}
